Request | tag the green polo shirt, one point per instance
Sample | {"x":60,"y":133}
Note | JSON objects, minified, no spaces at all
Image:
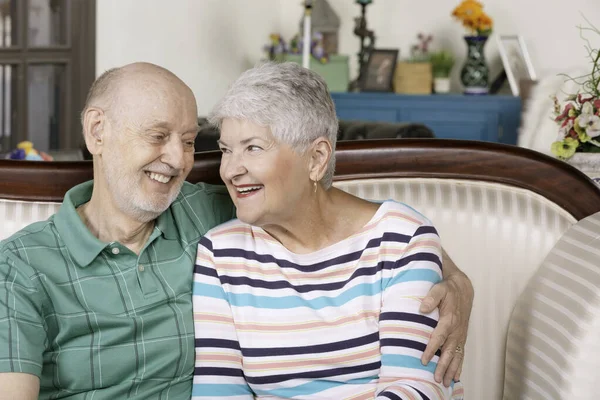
{"x":95,"y":320}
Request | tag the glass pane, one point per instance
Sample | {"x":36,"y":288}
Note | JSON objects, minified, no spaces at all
{"x":8,"y":23}
{"x":8,"y":86}
{"x":46,"y":92}
{"x":48,"y":22}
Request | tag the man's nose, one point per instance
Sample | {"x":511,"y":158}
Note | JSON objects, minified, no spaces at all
{"x":173,"y":153}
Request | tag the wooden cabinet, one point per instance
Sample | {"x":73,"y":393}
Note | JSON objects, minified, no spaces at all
{"x":491,"y":118}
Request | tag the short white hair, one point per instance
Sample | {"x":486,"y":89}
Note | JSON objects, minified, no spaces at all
{"x":292,"y":101}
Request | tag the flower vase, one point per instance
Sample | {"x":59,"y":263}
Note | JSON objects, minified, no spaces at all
{"x":474,"y":74}
{"x":588,"y":163}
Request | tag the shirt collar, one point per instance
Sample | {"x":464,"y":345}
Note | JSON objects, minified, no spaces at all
{"x":165,"y":223}
{"x":81,"y":243}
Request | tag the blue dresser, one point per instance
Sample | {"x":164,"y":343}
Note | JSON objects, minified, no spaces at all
{"x":490,"y":118}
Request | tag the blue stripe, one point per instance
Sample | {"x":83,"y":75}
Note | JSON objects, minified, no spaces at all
{"x":412,"y":275}
{"x":206,"y":290}
{"x":312,"y":388}
{"x":216,"y":389}
{"x":396,"y":360}
{"x":318,"y":303}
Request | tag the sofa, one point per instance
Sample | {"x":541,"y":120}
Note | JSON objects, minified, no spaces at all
{"x":522,"y":225}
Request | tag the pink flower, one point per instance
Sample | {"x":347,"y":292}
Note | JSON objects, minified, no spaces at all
{"x":565,"y":112}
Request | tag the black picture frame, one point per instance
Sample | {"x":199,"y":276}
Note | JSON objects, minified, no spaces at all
{"x":378,"y":75}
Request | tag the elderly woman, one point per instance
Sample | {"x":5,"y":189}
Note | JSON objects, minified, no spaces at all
{"x":311,"y":293}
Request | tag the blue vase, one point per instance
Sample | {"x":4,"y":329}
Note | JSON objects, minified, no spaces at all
{"x":474,"y":75}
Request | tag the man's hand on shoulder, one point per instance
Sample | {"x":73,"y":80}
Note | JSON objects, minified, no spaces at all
{"x":19,"y":386}
{"x":454,"y":297}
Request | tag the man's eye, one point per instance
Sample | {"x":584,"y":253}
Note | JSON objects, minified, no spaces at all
{"x":190,"y":143}
{"x":224,"y":150}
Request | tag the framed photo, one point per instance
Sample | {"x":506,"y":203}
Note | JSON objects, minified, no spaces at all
{"x":378,"y":75}
{"x":516,"y":60}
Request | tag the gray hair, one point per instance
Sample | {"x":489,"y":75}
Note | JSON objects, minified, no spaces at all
{"x":292,"y":101}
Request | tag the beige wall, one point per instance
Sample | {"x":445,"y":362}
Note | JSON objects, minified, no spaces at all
{"x":209,"y":42}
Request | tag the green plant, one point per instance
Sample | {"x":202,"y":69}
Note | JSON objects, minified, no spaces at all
{"x":441,"y":63}
{"x":579,"y":116}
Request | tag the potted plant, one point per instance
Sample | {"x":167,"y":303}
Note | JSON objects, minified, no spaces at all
{"x":578,"y":118}
{"x":441,"y":64}
{"x":413,"y":76}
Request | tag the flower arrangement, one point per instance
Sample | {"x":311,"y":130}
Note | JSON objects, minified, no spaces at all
{"x":419,"y":52}
{"x":441,"y":63}
{"x":579,"y":117}
{"x":470,"y":13}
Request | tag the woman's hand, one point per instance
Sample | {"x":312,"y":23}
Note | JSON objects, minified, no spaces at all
{"x":454,"y":297}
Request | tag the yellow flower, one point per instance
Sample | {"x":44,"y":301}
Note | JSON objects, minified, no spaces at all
{"x":583,"y":136}
{"x":565,"y":149}
{"x":472,"y":16}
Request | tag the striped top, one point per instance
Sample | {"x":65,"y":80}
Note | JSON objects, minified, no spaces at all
{"x":338,"y":323}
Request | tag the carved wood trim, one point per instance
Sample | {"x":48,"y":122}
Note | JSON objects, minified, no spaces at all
{"x":394,"y":158}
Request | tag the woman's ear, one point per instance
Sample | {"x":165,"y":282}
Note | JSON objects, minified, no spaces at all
{"x":94,"y":123}
{"x":320,"y":154}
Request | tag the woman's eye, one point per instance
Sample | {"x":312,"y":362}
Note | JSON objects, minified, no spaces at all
{"x":254,"y":148}
{"x":224,"y":150}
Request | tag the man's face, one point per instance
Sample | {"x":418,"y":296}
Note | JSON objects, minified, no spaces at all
{"x":149,"y":149}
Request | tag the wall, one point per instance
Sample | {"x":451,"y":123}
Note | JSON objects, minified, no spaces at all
{"x":209,"y":42}
{"x":548,"y":27}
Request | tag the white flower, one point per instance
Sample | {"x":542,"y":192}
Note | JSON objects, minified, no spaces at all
{"x":589,"y":121}
{"x":587,"y":109}
{"x":591,"y":124}
{"x":564,"y":130}
{"x":593,"y":128}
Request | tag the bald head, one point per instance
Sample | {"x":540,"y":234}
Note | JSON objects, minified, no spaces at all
{"x":117,"y":85}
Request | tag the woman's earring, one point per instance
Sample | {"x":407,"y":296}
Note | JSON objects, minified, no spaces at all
{"x":315,"y":186}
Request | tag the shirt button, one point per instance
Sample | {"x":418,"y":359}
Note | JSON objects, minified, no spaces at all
{"x":115,"y":250}
{"x":141,"y":268}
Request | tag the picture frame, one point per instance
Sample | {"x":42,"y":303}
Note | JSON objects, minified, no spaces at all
{"x":378,"y":75}
{"x":516,"y":61}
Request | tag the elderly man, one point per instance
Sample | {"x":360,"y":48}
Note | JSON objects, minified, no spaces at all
{"x":96,"y":301}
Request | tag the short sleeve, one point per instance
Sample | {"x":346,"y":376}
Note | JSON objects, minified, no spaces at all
{"x":23,"y":335}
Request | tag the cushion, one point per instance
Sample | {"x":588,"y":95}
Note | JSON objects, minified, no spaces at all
{"x":16,"y":215}
{"x":498,"y":235}
{"x":553,"y":350}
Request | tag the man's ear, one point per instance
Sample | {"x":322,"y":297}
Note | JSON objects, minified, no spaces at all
{"x":94,"y":124}
{"x":320,"y":153}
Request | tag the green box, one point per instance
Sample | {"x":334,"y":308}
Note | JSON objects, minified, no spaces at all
{"x":335,"y":72}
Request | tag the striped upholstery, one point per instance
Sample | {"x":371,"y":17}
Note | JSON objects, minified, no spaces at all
{"x":498,"y":235}
{"x":18,"y":214}
{"x":553,"y":346}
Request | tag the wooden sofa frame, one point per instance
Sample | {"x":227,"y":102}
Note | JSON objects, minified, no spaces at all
{"x":394,"y":158}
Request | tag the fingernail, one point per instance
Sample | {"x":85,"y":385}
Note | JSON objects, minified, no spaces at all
{"x":426,"y":304}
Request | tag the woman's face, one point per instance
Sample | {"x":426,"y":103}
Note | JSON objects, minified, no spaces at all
{"x":266,"y":179}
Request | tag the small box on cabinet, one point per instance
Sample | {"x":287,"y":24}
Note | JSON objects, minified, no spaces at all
{"x":413,"y":78}
{"x":335,"y":71}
